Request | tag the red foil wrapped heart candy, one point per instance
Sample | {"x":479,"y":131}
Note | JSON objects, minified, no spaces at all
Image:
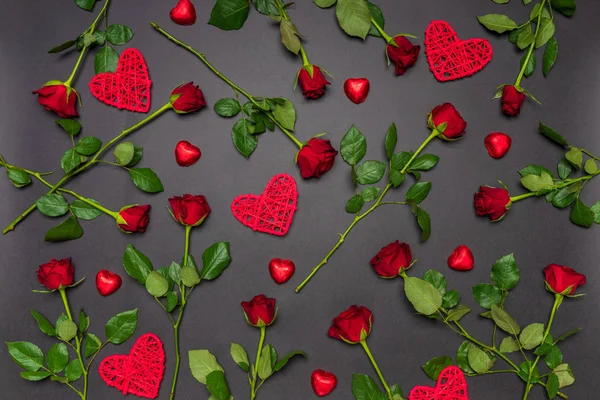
{"x":281,"y":270}
{"x":184,"y":13}
{"x":107,"y":282}
{"x":357,"y":89}
{"x":186,"y":154}
{"x":322,"y":382}
{"x":461,"y":259}
{"x":497,"y":144}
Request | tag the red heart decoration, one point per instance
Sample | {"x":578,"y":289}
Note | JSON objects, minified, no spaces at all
{"x":129,"y":87}
{"x":184,"y":13}
{"x":140,"y":372}
{"x":357,"y":89}
{"x":281,"y":270}
{"x":451,"y":385}
{"x":497,"y":144}
{"x":451,"y":58}
{"x":322,"y":382}
{"x":186,"y":154}
{"x":107,"y":282}
{"x":461,"y":259}
{"x":272,"y":211}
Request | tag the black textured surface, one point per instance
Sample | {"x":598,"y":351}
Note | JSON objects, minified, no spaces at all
{"x":537,"y":233}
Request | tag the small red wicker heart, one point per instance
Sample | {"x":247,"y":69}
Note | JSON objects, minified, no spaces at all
{"x":140,"y":372}
{"x":451,"y":385}
{"x":451,"y":58}
{"x":128,"y":87}
{"x":272,"y":211}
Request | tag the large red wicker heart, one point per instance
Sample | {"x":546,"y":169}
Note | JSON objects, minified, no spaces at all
{"x":272,"y":211}
{"x":128,"y":87}
{"x":451,"y":385}
{"x":138,"y":373}
{"x":451,"y":58}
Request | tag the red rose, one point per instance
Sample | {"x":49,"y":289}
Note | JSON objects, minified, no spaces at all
{"x":260,"y":311}
{"x":54,"y":98}
{"x":316,"y":158}
{"x":455,"y":124}
{"x":56,"y":273}
{"x":134,"y":218}
{"x":353,"y":325}
{"x":391,"y":259}
{"x":560,"y":278}
{"x":189,"y":210}
{"x":512,"y":100}
{"x":493,"y":202}
{"x":404,"y":55}
{"x":187,"y":98}
{"x":312,"y":87}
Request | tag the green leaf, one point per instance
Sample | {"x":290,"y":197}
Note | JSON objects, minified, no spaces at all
{"x":138,"y":153}
{"x":457,"y":313}
{"x":136,"y":264}
{"x":434,"y":367}
{"x":88,"y":145}
{"x":396,"y":392}
{"x":590,"y":166}
{"x":531,"y":336}
{"x":370,"y":193}
{"x":85,"y":211}
{"x":228,"y":107}
{"x":531,"y":64}
{"x":354,"y":17}
{"x":285,"y":113}
{"x":581,"y":214}
{"x":156,"y":284}
{"x":214,"y":260}
{"x":290,"y":37}
{"x":418,"y":192}
{"x":353,"y":146}
{"x":568,"y":334}
{"x":92,"y":344}
{"x":424,"y":297}
{"x":505,"y":273}
{"x":479,"y":360}
{"x":462,"y":359}
{"x":34,"y":376}
{"x":70,"y":160}
{"x":71,"y":126}
{"x":370,"y":172}
{"x":265,"y":367}
{"x":106,"y":60}
{"x":217,"y":385}
{"x":396,"y":178}
{"x":565,"y":375}
{"x":575,"y":157}
{"x":189,"y":276}
{"x":52,"y":205}
{"x":324,"y":3}
{"x":66,"y":330}
{"x":62,"y":47}
{"x":285,"y":359}
{"x":550,"y":54}
{"x":377,"y":15}
{"x":120,"y":327}
{"x":118,"y":34}
{"x":69,"y":229}
{"x":424,"y":162}
{"x":436,"y":279}
{"x":552,"y":385}
{"x":450,"y":299}
{"x":87,"y":5}
{"x":497,"y":22}
{"x":565,"y":7}
{"x":146,"y":180}
{"x":355,"y":203}
{"x":26,"y":354}
{"x":399,"y":160}
{"x":266,"y":7}
{"x":596,"y":210}
{"x":554,"y":357}
{"x":18,"y":177}
{"x":391,"y":137}
{"x":505,"y":321}
{"x":239,"y":356}
{"x":43,"y":323}
{"x":487,"y":295}
{"x":365,"y":388}
{"x":424,"y":221}
{"x":124,"y":153}
{"x":545,"y":33}
{"x":229,"y":14}
{"x":509,"y":345}
{"x":244,"y":142}
{"x":535,"y":183}
{"x":57,"y":357}
{"x":525,"y":37}
{"x":202,"y":363}
{"x":73,"y":370}
{"x":564,"y":168}
{"x":84,"y":322}
{"x":564,"y":197}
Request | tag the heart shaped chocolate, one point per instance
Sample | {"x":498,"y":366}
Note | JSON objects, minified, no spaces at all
{"x":357,"y":89}
{"x":281,"y":270}
{"x":322,"y":382}
{"x":107,"y":282}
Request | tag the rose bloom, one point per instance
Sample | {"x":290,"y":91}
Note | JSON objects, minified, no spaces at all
{"x":187,"y":98}
{"x":560,"y":278}
{"x":404,"y":55}
{"x":55,"y":273}
{"x":512,"y":100}
{"x":391,"y":259}
{"x":54,"y":98}
{"x":353,"y":325}
{"x":260,"y":311}
{"x":134,"y":218}
{"x":316,"y":158}
{"x":493,"y":202}
{"x":189,"y":210}
{"x":455,"y":124}
{"x":312,"y":87}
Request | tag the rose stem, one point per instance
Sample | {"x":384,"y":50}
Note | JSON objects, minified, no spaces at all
{"x":358,"y":217}
{"x":63,"y":296}
{"x":364,"y":345}
{"x":235,"y":87}
{"x":263,"y":331}
{"x":531,"y":46}
{"x":386,"y":37}
{"x":566,"y":182}
{"x":286,"y":16}
{"x":89,"y":163}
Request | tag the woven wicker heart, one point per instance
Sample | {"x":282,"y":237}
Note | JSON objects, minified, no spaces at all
{"x":138,"y":373}
{"x":451,"y":385}
{"x":451,"y":58}
{"x":128,"y":87}
{"x":272,"y":211}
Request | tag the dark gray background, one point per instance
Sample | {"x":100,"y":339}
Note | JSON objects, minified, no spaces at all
{"x":537,"y":233}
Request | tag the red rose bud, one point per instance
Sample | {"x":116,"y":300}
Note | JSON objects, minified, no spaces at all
{"x":493,"y":202}
{"x":497,"y":144}
{"x":404,"y":55}
{"x":56,"y":274}
{"x":353,"y":325}
{"x":260,"y":311}
{"x":512,"y":100}
{"x":132,"y":219}
{"x":316,"y":158}
{"x":446,"y":113}
{"x":392,"y":259}
{"x":54,"y":98}
{"x":186,"y":154}
{"x":187,"y":98}
{"x":313,"y":86}
{"x":560,"y":278}
{"x":184,"y":13}
{"x":189,"y":210}
{"x":461,"y":259}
